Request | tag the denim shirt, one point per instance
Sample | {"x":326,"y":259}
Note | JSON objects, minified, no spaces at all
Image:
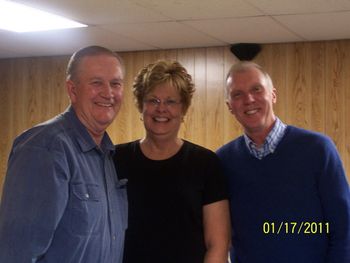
{"x":62,"y":200}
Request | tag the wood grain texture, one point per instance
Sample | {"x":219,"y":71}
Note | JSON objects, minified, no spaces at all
{"x":215,"y":97}
{"x":231,"y":127}
{"x":335,"y":92}
{"x":312,"y":81}
{"x":318,"y":86}
{"x":31,"y":91}
{"x":274,"y":59}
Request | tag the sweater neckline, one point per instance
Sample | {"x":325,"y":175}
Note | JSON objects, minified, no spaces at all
{"x":269,"y":156}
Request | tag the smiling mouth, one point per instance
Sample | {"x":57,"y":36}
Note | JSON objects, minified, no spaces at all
{"x":107,"y":105}
{"x":251,"y":112}
{"x":161,"y":119}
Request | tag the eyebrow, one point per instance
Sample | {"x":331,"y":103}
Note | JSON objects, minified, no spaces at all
{"x":101,"y":78}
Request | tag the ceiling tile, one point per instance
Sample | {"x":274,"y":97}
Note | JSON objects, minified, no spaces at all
{"x":277,"y":7}
{"x":6,"y":53}
{"x":100,"y":12}
{"x":127,"y":25}
{"x":319,"y":26}
{"x":165,"y":35}
{"x":240,"y":30}
{"x":65,"y":42}
{"x":194,"y":9}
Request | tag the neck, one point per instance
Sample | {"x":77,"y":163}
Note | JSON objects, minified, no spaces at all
{"x":96,"y":137}
{"x":95,"y":131}
{"x":259,"y":136}
{"x":157,"y":149}
{"x":258,"y":139}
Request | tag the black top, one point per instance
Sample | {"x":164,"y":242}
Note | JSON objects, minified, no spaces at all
{"x":166,"y":198}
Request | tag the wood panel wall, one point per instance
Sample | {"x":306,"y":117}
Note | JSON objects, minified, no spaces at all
{"x":312,"y":81}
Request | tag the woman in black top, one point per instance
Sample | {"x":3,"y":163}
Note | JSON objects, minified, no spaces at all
{"x":178,"y":210}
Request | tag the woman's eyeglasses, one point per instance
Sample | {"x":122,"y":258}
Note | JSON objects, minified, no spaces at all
{"x":155,"y":102}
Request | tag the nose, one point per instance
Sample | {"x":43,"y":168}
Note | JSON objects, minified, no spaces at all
{"x":249,"y":98}
{"x":107,"y":91}
{"x":161,"y":106}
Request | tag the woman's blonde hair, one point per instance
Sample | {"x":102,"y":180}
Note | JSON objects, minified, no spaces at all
{"x":161,"y":72}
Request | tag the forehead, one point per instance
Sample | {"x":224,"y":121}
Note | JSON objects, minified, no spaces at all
{"x":164,"y":89}
{"x":246,"y":78}
{"x":102,"y":63}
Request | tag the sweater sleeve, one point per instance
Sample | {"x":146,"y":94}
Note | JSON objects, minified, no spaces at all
{"x":335,"y":198}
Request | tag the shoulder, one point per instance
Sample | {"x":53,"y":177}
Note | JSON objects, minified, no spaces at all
{"x":126,"y":147}
{"x":231,"y":147}
{"x":307,"y":136}
{"x":44,"y":144}
{"x":43,"y":135}
{"x":198,"y":150}
{"x":124,"y":151}
{"x":310,"y":144}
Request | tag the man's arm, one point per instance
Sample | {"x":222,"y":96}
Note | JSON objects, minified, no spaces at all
{"x":335,"y":198}
{"x":33,"y":201}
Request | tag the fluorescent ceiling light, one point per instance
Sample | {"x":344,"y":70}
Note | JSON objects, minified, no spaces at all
{"x":20,"y":18}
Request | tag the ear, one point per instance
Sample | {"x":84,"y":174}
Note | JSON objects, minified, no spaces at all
{"x":229,"y":106}
{"x":71,"y":90}
{"x":274,"y":95}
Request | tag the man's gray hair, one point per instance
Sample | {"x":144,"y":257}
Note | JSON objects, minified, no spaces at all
{"x":243,"y":66}
{"x":76,"y":58}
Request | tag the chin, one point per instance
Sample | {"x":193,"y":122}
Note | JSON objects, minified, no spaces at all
{"x":105,"y":121}
{"x":107,"y":117}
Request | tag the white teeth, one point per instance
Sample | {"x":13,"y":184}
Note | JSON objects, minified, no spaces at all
{"x":161,"y":119}
{"x":250,"y":112}
{"x":104,"y":104}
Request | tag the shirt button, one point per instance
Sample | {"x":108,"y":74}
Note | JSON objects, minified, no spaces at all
{"x":113,"y":237}
{"x":87,"y":195}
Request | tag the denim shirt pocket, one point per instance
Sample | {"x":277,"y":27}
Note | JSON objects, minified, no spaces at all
{"x":86,"y":208}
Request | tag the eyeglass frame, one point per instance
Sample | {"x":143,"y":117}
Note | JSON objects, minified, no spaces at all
{"x":156,"y":102}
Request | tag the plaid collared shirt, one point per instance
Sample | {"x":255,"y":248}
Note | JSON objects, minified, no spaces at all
{"x":271,"y":141}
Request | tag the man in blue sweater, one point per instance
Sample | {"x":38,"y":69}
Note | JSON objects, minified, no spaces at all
{"x":289,"y":198}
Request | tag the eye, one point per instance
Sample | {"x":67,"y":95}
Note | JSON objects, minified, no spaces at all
{"x":236,"y":95}
{"x":116,"y":84}
{"x":257,"y":88}
{"x":171,"y":102}
{"x":96,"y":83}
{"x":152,"y":101}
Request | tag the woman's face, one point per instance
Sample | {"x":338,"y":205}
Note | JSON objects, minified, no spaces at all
{"x":162,"y":112}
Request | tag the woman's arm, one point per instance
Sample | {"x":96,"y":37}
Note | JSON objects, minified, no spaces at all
{"x":217,"y":231}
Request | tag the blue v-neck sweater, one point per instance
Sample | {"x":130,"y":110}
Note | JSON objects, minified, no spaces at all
{"x":291,"y":206}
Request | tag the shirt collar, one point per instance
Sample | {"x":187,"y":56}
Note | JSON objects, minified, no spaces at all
{"x":270,"y":143}
{"x":82,"y":135}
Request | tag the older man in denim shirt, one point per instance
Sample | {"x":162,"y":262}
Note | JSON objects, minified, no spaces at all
{"x":62,"y":200}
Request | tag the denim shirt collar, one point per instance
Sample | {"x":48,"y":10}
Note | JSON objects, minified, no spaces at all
{"x":82,"y":135}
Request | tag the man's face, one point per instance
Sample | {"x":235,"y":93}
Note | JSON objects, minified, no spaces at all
{"x":250,"y":100}
{"x":97,"y":91}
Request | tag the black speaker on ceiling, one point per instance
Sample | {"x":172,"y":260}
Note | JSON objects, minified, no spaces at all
{"x":245,"y":51}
